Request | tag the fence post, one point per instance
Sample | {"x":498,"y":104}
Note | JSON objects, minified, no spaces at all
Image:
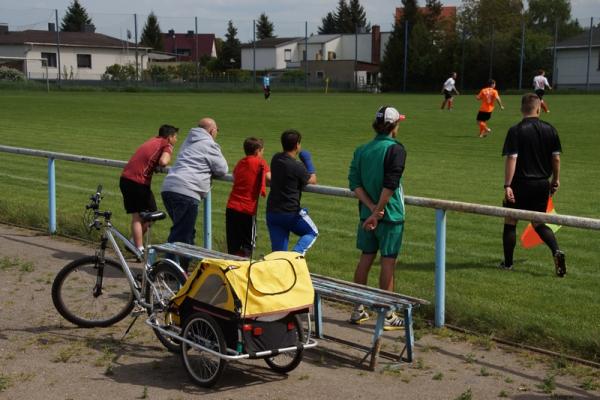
{"x":51,"y":196}
{"x":440,"y":266}
{"x":589,"y":57}
{"x":207,"y":221}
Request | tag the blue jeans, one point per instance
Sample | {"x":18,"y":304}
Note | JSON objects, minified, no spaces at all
{"x":281,"y":224}
{"x":183,"y":211}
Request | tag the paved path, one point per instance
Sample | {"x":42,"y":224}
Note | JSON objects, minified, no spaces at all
{"x":44,"y":357}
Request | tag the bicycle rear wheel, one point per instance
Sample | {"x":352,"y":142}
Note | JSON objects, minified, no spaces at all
{"x":286,"y":362}
{"x":164,"y":281}
{"x":91,"y":295}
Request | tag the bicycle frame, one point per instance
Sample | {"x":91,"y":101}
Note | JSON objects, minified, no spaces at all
{"x":109,"y":232}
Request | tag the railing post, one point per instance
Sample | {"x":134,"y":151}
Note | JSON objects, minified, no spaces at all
{"x":440,"y":266}
{"x":51,"y":196}
{"x":207,"y":222}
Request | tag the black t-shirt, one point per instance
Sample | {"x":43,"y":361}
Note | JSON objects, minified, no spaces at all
{"x":534,"y":142}
{"x":393,"y":166}
{"x":288,"y":177}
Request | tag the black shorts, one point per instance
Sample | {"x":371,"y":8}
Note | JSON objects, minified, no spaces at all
{"x":136,"y":197}
{"x":447,"y":94}
{"x":530,"y":195}
{"x":540,"y":93}
{"x":484,"y":116}
{"x":240,"y":230}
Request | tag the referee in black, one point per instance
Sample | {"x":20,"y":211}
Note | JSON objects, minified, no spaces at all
{"x":532,"y":150}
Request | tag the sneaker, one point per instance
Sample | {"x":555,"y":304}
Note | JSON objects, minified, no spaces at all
{"x":358,"y":316}
{"x":560,"y":264}
{"x":393,"y":322}
{"x":505,"y":267}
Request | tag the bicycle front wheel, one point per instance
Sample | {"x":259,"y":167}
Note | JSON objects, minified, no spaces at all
{"x":92,"y":295}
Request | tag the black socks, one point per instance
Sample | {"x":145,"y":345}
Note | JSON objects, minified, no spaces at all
{"x":509,"y":240}
{"x":547,"y":236}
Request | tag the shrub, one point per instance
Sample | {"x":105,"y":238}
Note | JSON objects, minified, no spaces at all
{"x":117,"y":72}
{"x":11,"y":74}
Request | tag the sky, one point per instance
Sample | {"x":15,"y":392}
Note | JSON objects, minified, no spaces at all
{"x":115,"y":17}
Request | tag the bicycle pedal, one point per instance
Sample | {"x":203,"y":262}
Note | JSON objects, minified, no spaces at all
{"x":137,"y":311}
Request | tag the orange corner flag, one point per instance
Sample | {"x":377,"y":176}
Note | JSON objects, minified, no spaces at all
{"x":530,"y":238}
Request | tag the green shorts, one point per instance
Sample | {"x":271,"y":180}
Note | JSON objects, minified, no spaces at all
{"x":387,"y":238}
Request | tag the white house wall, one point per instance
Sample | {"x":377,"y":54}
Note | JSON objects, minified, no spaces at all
{"x":351,"y":43}
{"x":265,"y":59}
{"x":101,"y":58}
{"x":571,"y":68}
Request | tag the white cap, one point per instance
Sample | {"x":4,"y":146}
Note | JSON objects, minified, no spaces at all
{"x":388,"y":114}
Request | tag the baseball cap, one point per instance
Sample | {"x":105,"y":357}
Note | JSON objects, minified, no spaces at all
{"x":388,"y":114}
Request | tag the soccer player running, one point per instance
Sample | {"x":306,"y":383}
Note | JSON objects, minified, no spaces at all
{"x":488,"y":95}
{"x":540,"y":83}
{"x":267,"y":85}
{"x":448,"y":90}
{"x":532,"y":150}
{"x":375,"y":178}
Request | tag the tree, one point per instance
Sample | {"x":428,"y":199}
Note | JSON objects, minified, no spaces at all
{"x":230,"y":56}
{"x":346,"y":19}
{"x":264,"y":27}
{"x":393,"y":59}
{"x":544,"y":14}
{"x":328,"y":24}
{"x":75,"y":18}
{"x":358,"y":16}
{"x":151,"y":36}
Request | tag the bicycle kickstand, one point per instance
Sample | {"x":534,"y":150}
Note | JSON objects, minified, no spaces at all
{"x":130,"y":326}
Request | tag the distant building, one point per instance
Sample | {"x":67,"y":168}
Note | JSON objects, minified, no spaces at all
{"x":448,"y":13}
{"x":83,"y":55}
{"x":343,"y":58}
{"x":572,"y":61}
{"x":189,"y":46}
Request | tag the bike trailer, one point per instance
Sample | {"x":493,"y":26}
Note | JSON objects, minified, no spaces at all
{"x":263,"y":296}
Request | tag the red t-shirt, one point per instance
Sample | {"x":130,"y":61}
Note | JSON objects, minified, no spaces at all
{"x":245,"y":191}
{"x":143,"y":162}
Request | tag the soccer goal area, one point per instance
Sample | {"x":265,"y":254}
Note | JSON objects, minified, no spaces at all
{"x":22,"y":68}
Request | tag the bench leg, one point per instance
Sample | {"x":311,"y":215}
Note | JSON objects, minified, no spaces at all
{"x":408,"y":328}
{"x":318,"y":316}
{"x":377,"y":338}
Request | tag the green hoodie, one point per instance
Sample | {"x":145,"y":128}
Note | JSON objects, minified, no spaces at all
{"x":367,"y":171}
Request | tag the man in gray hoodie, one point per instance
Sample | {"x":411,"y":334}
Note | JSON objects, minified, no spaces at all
{"x":188,"y":181}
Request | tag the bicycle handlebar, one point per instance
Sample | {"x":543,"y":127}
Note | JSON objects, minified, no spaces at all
{"x":95,"y":199}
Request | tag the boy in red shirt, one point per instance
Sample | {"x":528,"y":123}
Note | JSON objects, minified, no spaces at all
{"x":249,"y":181}
{"x":137,"y":177}
{"x":487,"y":96}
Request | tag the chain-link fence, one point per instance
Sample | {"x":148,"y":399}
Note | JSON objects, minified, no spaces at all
{"x":195,"y":53}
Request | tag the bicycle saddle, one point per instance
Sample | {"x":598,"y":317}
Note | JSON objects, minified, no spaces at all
{"x":152,"y":216}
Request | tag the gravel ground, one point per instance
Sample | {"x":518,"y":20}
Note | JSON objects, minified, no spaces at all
{"x":44,"y":357}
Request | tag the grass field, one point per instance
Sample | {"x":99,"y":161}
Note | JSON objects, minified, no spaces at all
{"x":445,"y":160}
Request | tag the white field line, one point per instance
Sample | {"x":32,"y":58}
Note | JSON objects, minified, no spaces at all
{"x":63,"y":185}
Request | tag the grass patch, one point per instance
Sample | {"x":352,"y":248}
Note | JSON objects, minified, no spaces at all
{"x":442,"y":147}
{"x":4,"y":382}
{"x":548,"y":384}
{"x":438,"y":377}
{"x":466,"y":395}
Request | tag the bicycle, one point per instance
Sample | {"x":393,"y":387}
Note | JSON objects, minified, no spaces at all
{"x":98,"y":291}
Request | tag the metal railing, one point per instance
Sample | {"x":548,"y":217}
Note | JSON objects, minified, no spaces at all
{"x":441,"y":207}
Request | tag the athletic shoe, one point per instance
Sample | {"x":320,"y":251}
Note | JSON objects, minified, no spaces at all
{"x":393,"y":322}
{"x":482,"y":135}
{"x":559,"y":263}
{"x":358,"y":316}
{"x":505,"y":267}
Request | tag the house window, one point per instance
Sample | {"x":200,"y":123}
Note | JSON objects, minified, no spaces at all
{"x":50,"y":59}
{"x":304,"y":54}
{"x":84,"y":61}
{"x":288,"y":55}
{"x":331,"y":55}
{"x":320,"y":74}
{"x":184,"y":52}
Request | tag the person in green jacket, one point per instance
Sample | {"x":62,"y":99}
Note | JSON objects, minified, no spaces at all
{"x":375,"y":178}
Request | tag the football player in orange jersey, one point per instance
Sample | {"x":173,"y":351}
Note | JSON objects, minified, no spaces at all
{"x":488,"y":95}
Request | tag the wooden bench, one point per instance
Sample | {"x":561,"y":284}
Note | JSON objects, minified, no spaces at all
{"x":377,"y":300}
